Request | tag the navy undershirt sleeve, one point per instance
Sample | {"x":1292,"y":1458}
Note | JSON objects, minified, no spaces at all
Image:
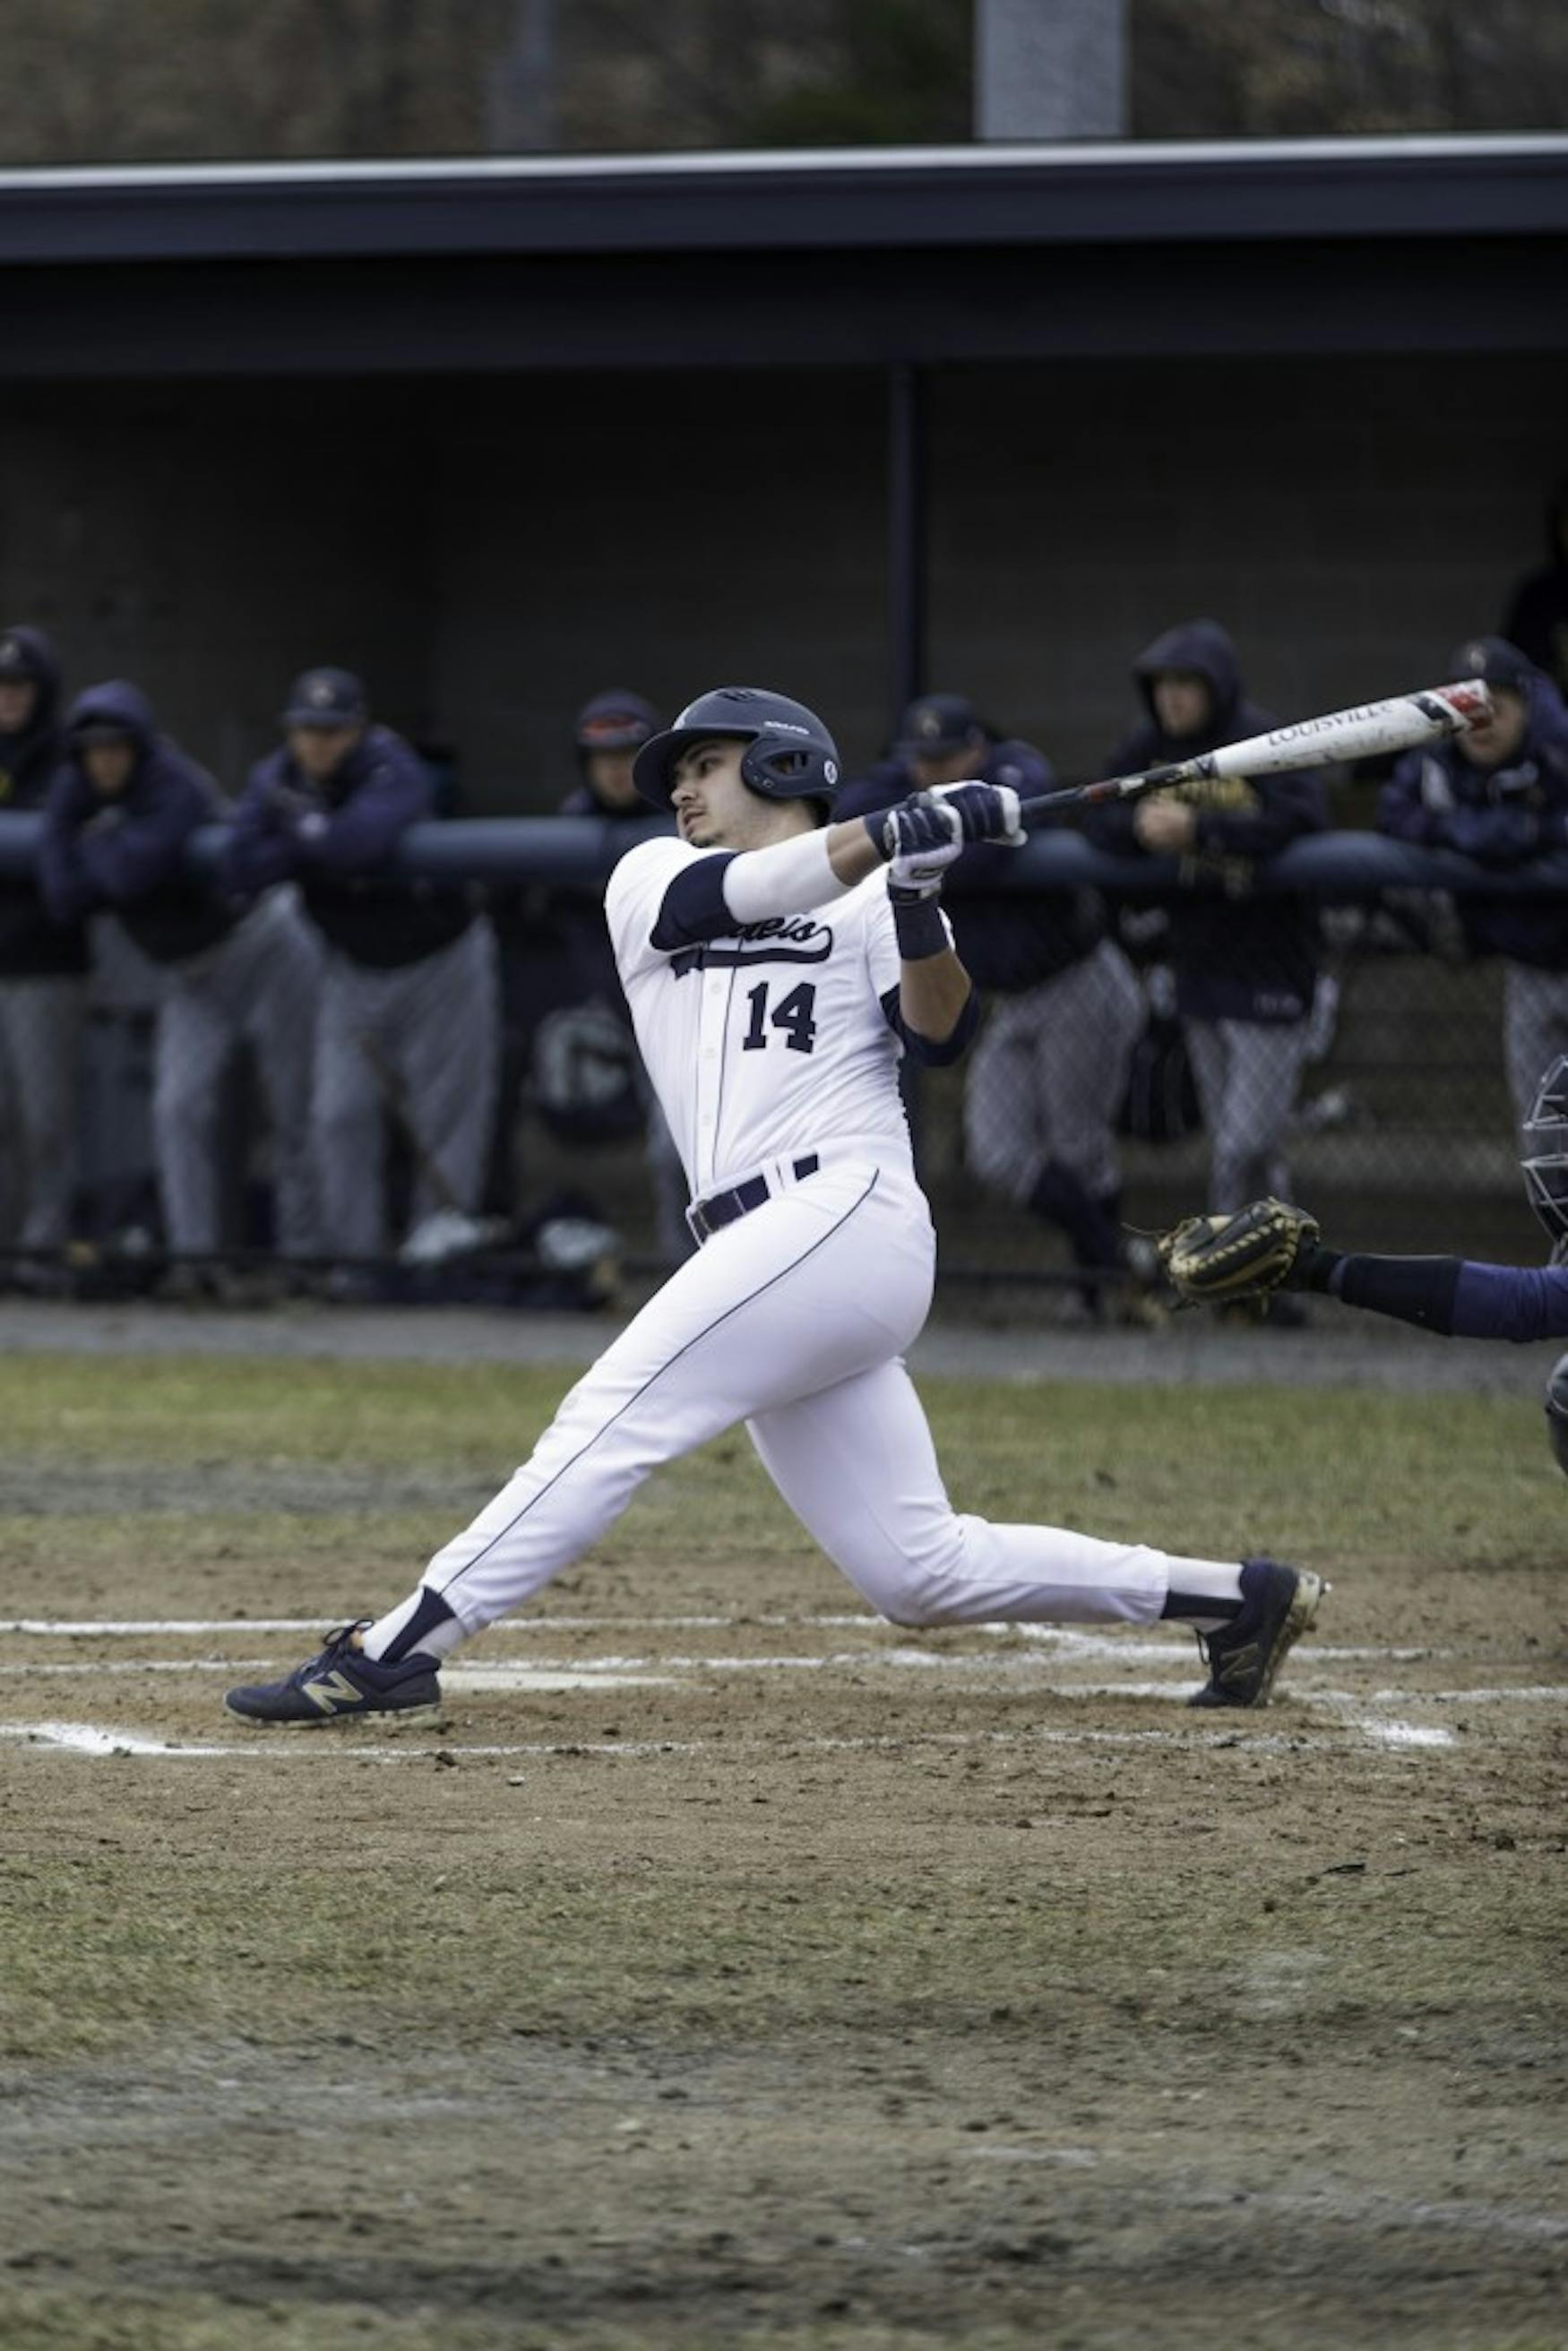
{"x":1512,"y":1302}
{"x":692,"y":909}
{"x":1457,"y":1296}
{"x":934,"y":1053}
{"x":1418,"y":1290}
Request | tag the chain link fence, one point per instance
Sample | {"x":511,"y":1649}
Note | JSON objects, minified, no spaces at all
{"x":1399,"y":1131}
{"x":1386,"y":1109}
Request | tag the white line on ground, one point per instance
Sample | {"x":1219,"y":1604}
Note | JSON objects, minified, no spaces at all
{"x":100,"y":1739}
{"x":544,"y":1673}
{"x":1048,"y":1682}
{"x":1114,"y":1644}
{"x":479,"y":1677}
{"x":1063,"y":1636}
{"x":94,"y":1629}
{"x":1405,"y":1734}
{"x":486,"y":1679}
{"x":109,"y":1666}
{"x":341,"y":1742}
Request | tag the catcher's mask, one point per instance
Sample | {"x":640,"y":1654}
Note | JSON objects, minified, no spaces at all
{"x":1544,"y":1166}
{"x":1557,"y":1412}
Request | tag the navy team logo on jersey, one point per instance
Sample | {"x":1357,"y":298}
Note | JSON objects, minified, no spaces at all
{"x":781,"y":938}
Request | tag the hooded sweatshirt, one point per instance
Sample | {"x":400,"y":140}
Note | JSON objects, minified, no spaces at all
{"x":1236,"y":956}
{"x":575,"y":911}
{"x":33,"y":946}
{"x":128,"y":853}
{"x":337,"y":839}
{"x":1537,"y":618}
{"x":1004,"y":942}
{"x":1500,"y":816}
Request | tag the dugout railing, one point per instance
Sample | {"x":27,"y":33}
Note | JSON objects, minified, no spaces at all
{"x":1402,"y":1134}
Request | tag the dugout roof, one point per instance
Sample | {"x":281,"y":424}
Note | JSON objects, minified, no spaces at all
{"x":839,"y":258}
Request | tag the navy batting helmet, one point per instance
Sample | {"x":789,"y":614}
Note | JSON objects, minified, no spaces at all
{"x":1557,"y":1412}
{"x":1544,"y":1166}
{"x":789,"y":754}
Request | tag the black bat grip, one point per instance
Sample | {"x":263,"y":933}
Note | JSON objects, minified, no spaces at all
{"x":1107,"y":787}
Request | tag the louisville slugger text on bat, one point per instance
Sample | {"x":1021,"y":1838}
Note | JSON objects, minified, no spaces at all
{"x":1360,"y":733}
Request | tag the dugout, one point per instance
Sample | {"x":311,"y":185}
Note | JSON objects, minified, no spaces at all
{"x":498,"y":433}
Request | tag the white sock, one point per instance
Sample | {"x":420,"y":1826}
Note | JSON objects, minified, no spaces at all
{"x":436,"y":1633}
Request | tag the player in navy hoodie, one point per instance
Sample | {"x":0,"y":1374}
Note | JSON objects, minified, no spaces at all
{"x":1049,"y":1071}
{"x":121,"y":814}
{"x":43,"y":972}
{"x":1245,"y":964}
{"x":1499,"y":793}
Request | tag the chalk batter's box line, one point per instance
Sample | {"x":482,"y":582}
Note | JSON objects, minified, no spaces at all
{"x":1070,"y":1638}
{"x":661,"y":1673}
{"x":104,"y":1741}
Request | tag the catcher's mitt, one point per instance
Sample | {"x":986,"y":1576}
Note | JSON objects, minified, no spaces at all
{"x":1209,"y":1261}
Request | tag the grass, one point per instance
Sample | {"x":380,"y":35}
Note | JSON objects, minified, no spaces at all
{"x":1349,"y":1477}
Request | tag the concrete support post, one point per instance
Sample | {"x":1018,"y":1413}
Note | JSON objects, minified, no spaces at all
{"x":1051,"y":69}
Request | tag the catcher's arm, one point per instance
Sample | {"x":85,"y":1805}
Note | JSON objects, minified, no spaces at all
{"x":1269,"y":1245}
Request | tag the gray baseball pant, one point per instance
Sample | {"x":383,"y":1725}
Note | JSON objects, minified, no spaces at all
{"x":423,"y":1040}
{"x":1246,"y":1072}
{"x":1048,"y":1074}
{"x":1534,"y":1028}
{"x":260,"y":985}
{"x":40,"y":1036}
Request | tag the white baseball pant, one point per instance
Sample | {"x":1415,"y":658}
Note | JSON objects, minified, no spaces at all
{"x":793,"y":1319}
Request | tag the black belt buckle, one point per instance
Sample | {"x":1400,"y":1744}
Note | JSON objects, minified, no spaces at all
{"x":702,"y":1227}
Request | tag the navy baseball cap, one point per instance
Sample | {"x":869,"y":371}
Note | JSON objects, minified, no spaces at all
{"x":616,"y":721}
{"x":1496,"y":663}
{"x":326,"y":698}
{"x":937,"y":723}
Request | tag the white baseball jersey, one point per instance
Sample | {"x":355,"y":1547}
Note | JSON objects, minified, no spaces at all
{"x":770,"y":1040}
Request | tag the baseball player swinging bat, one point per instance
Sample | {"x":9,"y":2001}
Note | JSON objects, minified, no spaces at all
{"x":777,"y":967}
{"x":1395,"y":725}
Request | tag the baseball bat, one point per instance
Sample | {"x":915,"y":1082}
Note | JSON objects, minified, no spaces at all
{"x":1396,"y":725}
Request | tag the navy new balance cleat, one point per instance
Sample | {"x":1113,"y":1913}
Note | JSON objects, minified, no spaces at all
{"x":1279,"y":1603}
{"x":342,"y":1682}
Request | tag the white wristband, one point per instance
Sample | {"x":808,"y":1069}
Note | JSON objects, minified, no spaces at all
{"x":787,"y":878}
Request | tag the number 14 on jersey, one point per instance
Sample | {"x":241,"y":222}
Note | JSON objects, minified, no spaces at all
{"x":793,"y":1017}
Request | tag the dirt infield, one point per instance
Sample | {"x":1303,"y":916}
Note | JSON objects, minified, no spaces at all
{"x":729,"y":1967}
